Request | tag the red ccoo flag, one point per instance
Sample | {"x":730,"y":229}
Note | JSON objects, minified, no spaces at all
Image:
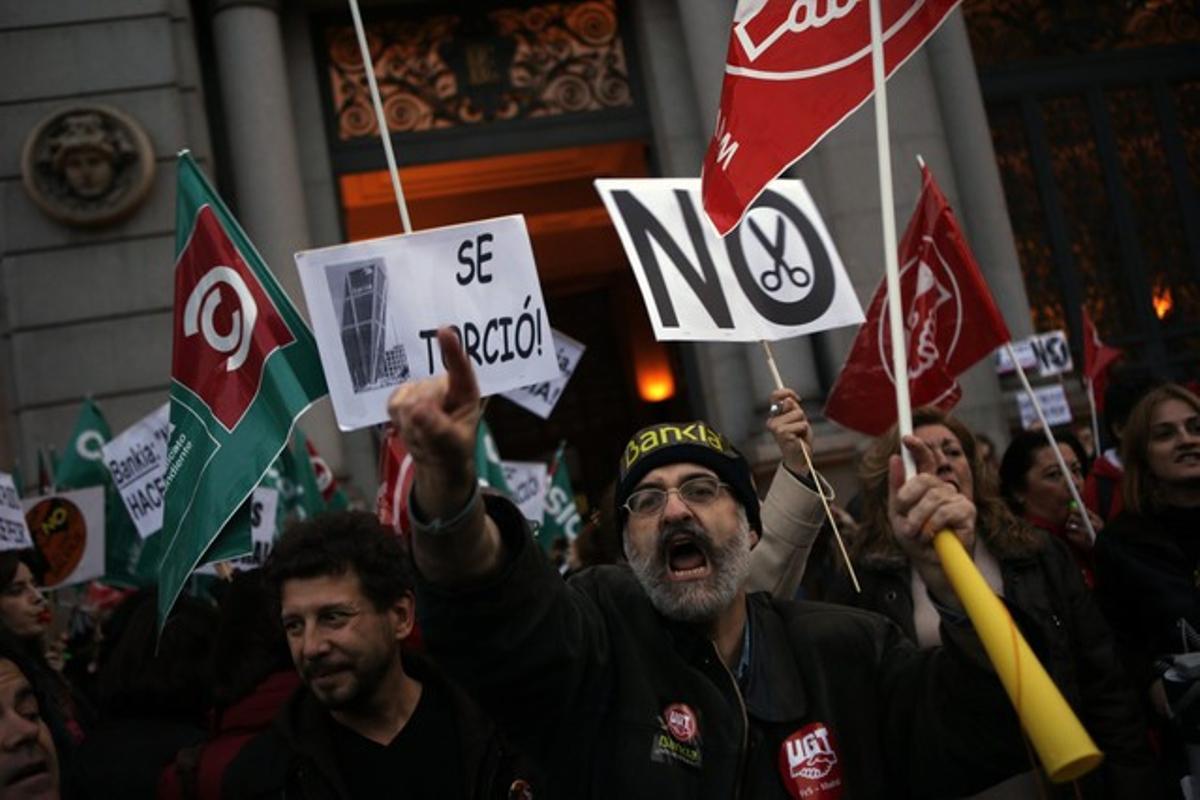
{"x":950,"y":322}
{"x":1097,"y":358}
{"x":794,"y":71}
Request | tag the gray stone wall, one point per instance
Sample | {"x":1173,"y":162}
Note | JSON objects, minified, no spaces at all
{"x":88,"y":311}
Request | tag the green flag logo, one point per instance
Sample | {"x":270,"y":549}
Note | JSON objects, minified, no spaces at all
{"x":244,"y":368}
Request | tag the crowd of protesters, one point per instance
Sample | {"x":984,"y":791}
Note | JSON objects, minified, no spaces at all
{"x":703,"y":643}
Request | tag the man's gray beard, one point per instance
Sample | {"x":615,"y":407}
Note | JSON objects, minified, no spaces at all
{"x":696,"y":601}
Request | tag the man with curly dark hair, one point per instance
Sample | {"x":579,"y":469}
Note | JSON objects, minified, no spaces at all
{"x":370,"y":715}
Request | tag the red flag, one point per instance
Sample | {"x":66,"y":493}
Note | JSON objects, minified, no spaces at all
{"x":1097,"y":358}
{"x":794,"y":71}
{"x":396,"y":477}
{"x":949,"y":319}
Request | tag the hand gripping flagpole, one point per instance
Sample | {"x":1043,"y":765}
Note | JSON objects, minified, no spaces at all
{"x":380,"y":119}
{"x":837,"y":534}
{"x":1062,"y":744}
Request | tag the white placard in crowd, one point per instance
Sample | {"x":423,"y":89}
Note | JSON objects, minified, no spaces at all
{"x":68,"y":532}
{"x":14,"y":535}
{"x":541,"y":398}
{"x":264,"y":505}
{"x":137,"y":461}
{"x":1048,"y":352}
{"x":527,"y":483}
{"x":776,"y":275}
{"x":1052,"y":399}
{"x":376,"y":306}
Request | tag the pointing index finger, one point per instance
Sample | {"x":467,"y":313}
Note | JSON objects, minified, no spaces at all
{"x":921,"y":454}
{"x":463,"y":388}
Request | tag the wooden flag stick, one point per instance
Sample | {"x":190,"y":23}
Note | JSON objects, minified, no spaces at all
{"x":812,"y":470}
{"x":380,"y":119}
{"x":1090,"y":386}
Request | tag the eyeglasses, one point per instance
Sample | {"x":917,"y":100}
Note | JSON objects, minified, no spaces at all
{"x":700,"y":491}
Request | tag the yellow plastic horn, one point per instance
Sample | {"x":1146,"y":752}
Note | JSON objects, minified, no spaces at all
{"x":1066,"y":750}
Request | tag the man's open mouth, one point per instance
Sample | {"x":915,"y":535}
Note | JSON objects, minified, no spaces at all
{"x":686,"y":559}
{"x":31,"y":771}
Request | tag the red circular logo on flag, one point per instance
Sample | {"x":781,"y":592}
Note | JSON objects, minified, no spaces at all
{"x":808,"y":764}
{"x":681,"y":722}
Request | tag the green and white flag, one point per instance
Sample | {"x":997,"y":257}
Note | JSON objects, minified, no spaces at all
{"x":128,"y":560}
{"x":562,"y":516}
{"x":244,"y":367}
{"x":487,"y":460}
{"x":82,"y":464}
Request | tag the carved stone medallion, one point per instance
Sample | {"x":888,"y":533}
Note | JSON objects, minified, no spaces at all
{"x":88,"y":165}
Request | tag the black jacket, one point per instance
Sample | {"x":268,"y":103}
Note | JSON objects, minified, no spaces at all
{"x":616,"y":701}
{"x":295,"y":758}
{"x":1056,"y":613}
{"x":1148,"y":584}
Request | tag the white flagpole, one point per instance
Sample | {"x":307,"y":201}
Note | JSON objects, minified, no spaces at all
{"x":381,"y":121}
{"x":890,"y":254}
{"x":1062,"y":464}
{"x":812,"y":470}
{"x":1091,"y":396}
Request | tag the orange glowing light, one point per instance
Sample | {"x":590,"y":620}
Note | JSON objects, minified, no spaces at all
{"x":654,"y":386}
{"x":1163,"y":302}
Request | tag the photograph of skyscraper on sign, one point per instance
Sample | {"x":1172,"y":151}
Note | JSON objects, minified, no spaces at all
{"x":373,"y":353}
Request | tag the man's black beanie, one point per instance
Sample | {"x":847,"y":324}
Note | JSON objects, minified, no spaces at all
{"x":693,"y":442}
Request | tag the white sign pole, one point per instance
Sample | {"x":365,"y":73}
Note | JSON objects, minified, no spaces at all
{"x":380,"y":119}
{"x":1062,"y":464}
{"x":812,"y":470}
{"x":890,"y":253}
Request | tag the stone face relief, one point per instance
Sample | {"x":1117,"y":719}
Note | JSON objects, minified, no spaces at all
{"x":87,"y":165}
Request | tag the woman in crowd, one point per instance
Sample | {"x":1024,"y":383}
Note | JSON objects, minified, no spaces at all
{"x":1032,"y":483}
{"x":155,"y":692}
{"x":1147,"y":562}
{"x":25,"y":616}
{"x":253,"y":677}
{"x":1040,"y":585}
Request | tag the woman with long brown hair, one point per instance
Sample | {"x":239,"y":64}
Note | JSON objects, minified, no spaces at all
{"x":1148,"y":559}
{"x":1039,"y":583}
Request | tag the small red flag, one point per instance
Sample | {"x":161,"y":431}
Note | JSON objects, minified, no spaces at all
{"x":949,"y":319}
{"x":1097,"y":358}
{"x":396,"y":478}
{"x":794,"y":71}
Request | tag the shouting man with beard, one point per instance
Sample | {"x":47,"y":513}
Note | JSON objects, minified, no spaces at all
{"x":371,"y":719}
{"x":665,"y":678}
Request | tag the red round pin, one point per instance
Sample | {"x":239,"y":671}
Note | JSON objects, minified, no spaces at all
{"x":681,"y":722}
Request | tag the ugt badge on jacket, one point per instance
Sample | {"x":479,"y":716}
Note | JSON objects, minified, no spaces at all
{"x":678,"y":738}
{"x":809,"y":766}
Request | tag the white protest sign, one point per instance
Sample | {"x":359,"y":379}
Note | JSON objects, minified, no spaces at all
{"x":137,"y":461}
{"x":1052,"y":399}
{"x":776,"y":275}
{"x":14,"y":535}
{"x":540,"y":398}
{"x":376,"y":307}
{"x":1049,"y":352}
{"x":264,"y":504}
{"x":68,"y":533}
{"x":527,"y":484}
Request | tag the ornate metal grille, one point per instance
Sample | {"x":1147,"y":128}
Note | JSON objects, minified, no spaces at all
{"x":462,"y":69}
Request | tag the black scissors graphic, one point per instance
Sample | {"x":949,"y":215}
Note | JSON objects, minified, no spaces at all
{"x":772,"y":279}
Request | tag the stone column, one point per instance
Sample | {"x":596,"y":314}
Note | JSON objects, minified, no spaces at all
{"x":265,"y":158}
{"x":981,"y":193}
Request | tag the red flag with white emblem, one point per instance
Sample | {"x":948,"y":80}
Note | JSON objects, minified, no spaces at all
{"x":794,"y":71}
{"x":950,"y":322}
